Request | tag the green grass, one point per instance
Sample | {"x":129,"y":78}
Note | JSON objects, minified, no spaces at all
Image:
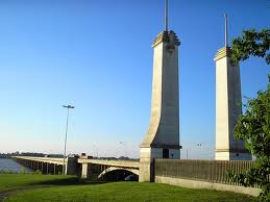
{"x":18,"y":181}
{"x":62,"y":188}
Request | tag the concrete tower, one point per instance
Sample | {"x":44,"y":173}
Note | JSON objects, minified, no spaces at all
{"x":228,"y":105}
{"x":162,"y":137}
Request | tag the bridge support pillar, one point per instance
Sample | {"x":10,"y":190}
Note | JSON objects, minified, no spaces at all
{"x":72,"y":166}
{"x":147,"y":159}
{"x":47,"y":168}
{"x":54,"y":168}
{"x":146,"y":171}
{"x":41,"y":167}
{"x":84,"y":170}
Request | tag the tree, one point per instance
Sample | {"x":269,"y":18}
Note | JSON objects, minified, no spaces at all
{"x":254,"y":126}
{"x":252,"y":43}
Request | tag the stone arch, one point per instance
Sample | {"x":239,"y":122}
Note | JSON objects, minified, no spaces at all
{"x":111,"y":169}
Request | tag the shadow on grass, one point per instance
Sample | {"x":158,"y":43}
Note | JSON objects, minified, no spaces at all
{"x":69,"y":181}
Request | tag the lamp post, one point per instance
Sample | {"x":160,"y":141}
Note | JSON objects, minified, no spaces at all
{"x":65,"y":144}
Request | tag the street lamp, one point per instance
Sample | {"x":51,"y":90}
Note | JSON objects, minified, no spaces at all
{"x":65,"y":147}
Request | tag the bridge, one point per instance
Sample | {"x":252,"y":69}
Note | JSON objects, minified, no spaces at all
{"x":160,"y":149}
{"x":82,"y":166}
{"x":43,"y":164}
{"x":208,"y":174}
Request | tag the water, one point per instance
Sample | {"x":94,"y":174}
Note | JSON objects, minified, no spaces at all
{"x":10,"y":165}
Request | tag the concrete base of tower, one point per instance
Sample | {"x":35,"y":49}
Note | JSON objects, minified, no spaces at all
{"x":174,"y":153}
{"x":147,"y":156}
{"x":233,"y":156}
{"x":146,"y":171}
{"x":146,"y":153}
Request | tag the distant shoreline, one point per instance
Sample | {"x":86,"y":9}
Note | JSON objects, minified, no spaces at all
{"x":4,"y":157}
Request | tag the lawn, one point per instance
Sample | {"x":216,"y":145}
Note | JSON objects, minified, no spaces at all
{"x":18,"y":181}
{"x":65,"y":188}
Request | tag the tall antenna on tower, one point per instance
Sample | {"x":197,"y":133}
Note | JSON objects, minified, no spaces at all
{"x":166,"y":15}
{"x":226,"y":30}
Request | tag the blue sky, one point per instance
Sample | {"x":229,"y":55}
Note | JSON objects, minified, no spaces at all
{"x":97,"y":56}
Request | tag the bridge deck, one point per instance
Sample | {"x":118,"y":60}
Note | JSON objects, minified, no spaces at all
{"x":115,"y":163}
{"x":59,"y":161}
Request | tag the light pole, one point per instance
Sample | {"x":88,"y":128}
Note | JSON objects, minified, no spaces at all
{"x":65,"y":144}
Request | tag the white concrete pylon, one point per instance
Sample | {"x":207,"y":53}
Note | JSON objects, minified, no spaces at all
{"x":228,"y":105}
{"x":162,"y":137}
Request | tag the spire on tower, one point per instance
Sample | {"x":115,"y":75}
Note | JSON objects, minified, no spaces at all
{"x":166,"y":15}
{"x":226,"y":30}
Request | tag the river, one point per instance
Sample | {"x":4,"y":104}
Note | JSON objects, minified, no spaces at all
{"x":10,"y":165}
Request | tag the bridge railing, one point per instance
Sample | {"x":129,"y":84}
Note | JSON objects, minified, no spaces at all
{"x":58,"y":161}
{"x":115,"y":163}
{"x":202,"y":170}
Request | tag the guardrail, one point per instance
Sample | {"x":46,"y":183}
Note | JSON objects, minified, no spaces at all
{"x":202,"y":170}
{"x":58,"y":161}
{"x":118,"y":163}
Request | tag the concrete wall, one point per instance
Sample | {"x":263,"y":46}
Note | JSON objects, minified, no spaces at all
{"x":195,"y":184}
{"x":202,"y":174}
{"x":202,"y":170}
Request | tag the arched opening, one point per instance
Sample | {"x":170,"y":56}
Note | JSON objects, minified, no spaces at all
{"x":118,"y":174}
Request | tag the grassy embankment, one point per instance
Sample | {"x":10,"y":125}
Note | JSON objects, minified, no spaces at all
{"x":67,"y":188}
